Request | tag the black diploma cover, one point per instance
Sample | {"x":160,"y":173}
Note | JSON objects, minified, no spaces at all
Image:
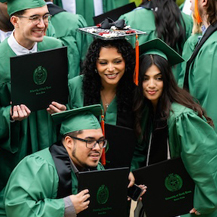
{"x":170,"y":189}
{"x":39,"y":78}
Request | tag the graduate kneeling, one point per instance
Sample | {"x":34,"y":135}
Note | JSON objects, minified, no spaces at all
{"x":45,"y":183}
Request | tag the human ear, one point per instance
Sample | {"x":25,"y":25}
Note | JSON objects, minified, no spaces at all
{"x":14,"y":21}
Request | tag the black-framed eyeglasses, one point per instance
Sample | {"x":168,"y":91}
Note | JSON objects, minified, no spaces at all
{"x":36,"y":19}
{"x":91,"y":143}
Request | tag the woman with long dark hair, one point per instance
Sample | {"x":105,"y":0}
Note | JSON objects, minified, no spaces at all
{"x":107,"y":79}
{"x":169,"y":124}
{"x":161,"y":19}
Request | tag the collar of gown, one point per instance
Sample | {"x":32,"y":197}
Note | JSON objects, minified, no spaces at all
{"x":17,"y":48}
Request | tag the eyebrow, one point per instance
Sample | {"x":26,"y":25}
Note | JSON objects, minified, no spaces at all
{"x":38,"y":14}
{"x":113,"y":59}
{"x":89,"y":137}
{"x":155,"y":75}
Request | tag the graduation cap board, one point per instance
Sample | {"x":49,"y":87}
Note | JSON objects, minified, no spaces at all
{"x":116,"y":13}
{"x":108,"y":192}
{"x":169,"y":188}
{"x":159,"y":47}
{"x":120,"y":146}
{"x":39,"y":78}
{"x":82,"y":118}
{"x":110,"y":34}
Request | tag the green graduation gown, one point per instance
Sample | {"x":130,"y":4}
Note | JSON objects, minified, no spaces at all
{"x":195,"y":141}
{"x":32,"y":188}
{"x":66,"y":25}
{"x":20,"y":138}
{"x":143,"y":19}
{"x":203,"y":77}
{"x":188,"y":49}
{"x":76,"y":100}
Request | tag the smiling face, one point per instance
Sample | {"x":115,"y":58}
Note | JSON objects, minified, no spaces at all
{"x":153,"y":84}
{"x":82,"y":156}
{"x":110,"y":66}
{"x":26,"y":32}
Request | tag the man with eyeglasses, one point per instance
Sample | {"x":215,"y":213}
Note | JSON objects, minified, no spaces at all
{"x":45,"y":183}
{"x":23,"y":132}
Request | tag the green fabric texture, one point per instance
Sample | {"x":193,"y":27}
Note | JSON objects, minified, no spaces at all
{"x":32,"y":188}
{"x":76,"y":42}
{"x":188,"y":49}
{"x":136,"y":20}
{"x":21,"y":138}
{"x":19,"y":5}
{"x":203,"y":77}
{"x":82,"y":118}
{"x":76,"y":100}
{"x":195,"y":141}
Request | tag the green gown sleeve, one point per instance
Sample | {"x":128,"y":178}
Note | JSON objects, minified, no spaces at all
{"x":197,"y":142}
{"x":31,"y":190}
{"x":76,"y":42}
{"x":76,"y":96}
{"x":188,"y":49}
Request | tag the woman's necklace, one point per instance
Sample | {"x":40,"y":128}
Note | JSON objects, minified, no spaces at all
{"x":106,"y":102}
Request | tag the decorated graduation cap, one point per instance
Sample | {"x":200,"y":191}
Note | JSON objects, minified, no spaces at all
{"x":19,"y":5}
{"x":159,"y":47}
{"x":111,"y":30}
{"x":82,"y":118}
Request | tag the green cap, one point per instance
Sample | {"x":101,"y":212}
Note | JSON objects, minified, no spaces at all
{"x":82,"y":118}
{"x":159,"y":47}
{"x":19,"y":5}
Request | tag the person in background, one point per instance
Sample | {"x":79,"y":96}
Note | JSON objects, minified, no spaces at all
{"x":161,"y":19}
{"x":170,"y":124}
{"x":23,"y":132}
{"x":66,"y":25}
{"x":6,"y":27}
{"x":200,"y":73}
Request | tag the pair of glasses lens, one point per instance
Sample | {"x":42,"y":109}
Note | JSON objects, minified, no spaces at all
{"x":91,"y":143}
{"x":36,"y":19}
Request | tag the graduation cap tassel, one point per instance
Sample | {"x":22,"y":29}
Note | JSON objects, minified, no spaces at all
{"x":103,"y":159}
{"x":136,"y":73}
{"x":197,"y":15}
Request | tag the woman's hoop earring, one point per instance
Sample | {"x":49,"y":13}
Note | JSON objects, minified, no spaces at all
{"x":96,"y":71}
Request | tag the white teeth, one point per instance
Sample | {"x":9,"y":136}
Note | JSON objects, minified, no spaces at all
{"x":111,"y":75}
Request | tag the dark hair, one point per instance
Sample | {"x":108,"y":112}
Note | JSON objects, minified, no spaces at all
{"x":170,"y":26}
{"x":211,"y":11}
{"x":73,"y":134}
{"x":171,"y":92}
{"x":92,"y":81}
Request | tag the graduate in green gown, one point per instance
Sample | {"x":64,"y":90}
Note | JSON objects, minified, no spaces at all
{"x":66,"y":25}
{"x":45,"y":183}
{"x":200,"y":74}
{"x":161,"y":19}
{"x":107,"y":78}
{"x":23,"y":132}
{"x":169,"y":124}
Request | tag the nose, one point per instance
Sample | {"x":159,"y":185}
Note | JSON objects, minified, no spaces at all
{"x":96,"y":146}
{"x":151,"y":83}
{"x":41,"y":22}
{"x":110,"y":67}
